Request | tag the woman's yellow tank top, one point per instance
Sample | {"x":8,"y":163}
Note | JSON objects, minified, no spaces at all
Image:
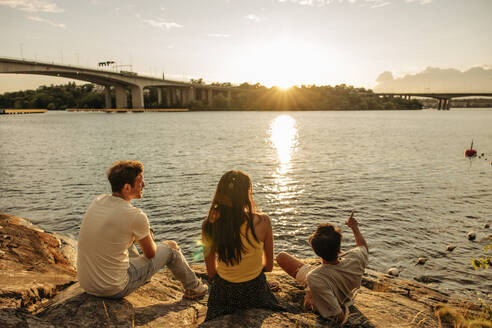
{"x":251,"y":263}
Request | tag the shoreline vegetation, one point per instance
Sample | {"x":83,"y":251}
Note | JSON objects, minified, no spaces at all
{"x":245,"y":97}
{"x":38,"y":288}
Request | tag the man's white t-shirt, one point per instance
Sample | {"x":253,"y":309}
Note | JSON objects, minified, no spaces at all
{"x":332,"y":285}
{"x":109,"y":227}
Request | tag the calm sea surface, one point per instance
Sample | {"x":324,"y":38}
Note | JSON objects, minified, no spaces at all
{"x":403,"y":173}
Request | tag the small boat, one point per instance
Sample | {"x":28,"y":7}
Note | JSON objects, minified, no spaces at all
{"x":470,"y":152}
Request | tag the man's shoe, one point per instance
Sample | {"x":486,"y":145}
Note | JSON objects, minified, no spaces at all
{"x":196,"y":292}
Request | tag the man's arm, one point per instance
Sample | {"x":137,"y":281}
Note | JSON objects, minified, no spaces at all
{"x":147,"y":245}
{"x":354,"y":225}
{"x":321,"y":298}
{"x":309,"y":305}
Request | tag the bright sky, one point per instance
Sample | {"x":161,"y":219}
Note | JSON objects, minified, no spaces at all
{"x":273,"y":42}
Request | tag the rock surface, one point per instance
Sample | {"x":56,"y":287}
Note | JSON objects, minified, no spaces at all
{"x":38,"y":289}
{"x":32,"y":268}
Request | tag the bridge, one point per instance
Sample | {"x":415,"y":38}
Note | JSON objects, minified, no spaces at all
{"x":124,"y":83}
{"x":443,"y":98}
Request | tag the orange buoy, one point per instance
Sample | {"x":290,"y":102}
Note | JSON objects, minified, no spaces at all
{"x":470,"y":152}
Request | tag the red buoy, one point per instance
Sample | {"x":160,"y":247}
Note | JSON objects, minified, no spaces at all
{"x":470,"y":152}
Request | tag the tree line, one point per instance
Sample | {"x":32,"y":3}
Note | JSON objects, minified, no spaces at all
{"x":306,"y":97}
{"x":55,"y":97}
{"x":245,"y":97}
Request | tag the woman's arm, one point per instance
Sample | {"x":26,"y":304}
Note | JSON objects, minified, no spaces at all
{"x":211,"y":265}
{"x":208,"y":253}
{"x":267,"y":244}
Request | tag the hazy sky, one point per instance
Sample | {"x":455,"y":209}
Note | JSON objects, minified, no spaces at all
{"x":274,"y":42}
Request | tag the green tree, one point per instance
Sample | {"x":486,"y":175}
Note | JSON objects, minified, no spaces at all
{"x":220,"y":102}
{"x":197,"y":81}
{"x":197,"y":105}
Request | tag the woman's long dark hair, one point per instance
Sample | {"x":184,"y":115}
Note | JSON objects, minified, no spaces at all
{"x":232,"y":205}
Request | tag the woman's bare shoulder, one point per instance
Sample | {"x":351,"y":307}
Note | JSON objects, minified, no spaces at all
{"x":261,"y":219}
{"x":205,"y":221}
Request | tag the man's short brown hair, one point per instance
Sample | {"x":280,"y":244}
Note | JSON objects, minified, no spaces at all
{"x":123,"y":172}
{"x":326,"y":241}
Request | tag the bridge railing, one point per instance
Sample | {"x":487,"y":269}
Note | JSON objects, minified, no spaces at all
{"x":98,"y":68}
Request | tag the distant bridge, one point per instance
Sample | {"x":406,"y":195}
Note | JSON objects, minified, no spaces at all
{"x":442,"y":97}
{"x":124,"y":83}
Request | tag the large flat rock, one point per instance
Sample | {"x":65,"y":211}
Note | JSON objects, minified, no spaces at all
{"x":386,"y":302}
{"x":38,"y":289}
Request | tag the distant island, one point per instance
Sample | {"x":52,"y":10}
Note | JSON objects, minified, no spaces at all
{"x":246,"y":97}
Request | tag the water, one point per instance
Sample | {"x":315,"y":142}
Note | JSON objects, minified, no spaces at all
{"x":403,"y":173}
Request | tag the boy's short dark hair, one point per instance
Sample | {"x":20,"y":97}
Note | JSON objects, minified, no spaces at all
{"x":123,"y":172}
{"x":325,"y":241}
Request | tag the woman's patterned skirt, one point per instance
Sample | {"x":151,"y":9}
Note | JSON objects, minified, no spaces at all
{"x":228,"y":297}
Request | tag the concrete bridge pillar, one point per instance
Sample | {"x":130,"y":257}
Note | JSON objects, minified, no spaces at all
{"x":137,"y":97}
{"x":184,"y":95}
{"x":439,"y":104}
{"x":186,"y":92}
{"x":120,"y":93}
{"x":203,"y":95}
{"x":181,"y":96}
{"x":107,"y":96}
{"x":168,"y":97}
{"x":191,"y":93}
{"x":173,"y":97}
{"x":159,"y":96}
{"x":210,"y":96}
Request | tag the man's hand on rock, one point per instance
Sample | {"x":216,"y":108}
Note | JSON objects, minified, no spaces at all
{"x":308,"y":301}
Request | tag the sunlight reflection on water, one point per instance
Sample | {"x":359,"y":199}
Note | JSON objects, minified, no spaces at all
{"x":283,"y":134}
{"x":284,"y":190}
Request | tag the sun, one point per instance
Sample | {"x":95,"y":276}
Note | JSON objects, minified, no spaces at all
{"x":285,"y":63}
{"x":278,"y":65}
{"x":284,"y":86}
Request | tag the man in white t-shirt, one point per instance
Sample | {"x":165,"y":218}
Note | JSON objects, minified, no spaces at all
{"x":331,"y":286}
{"x":108,"y":265}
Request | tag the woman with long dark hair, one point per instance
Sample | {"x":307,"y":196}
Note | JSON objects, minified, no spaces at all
{"x":238,"y":247}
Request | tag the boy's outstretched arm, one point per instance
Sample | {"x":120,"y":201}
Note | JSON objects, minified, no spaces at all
{"x":354,"y":225}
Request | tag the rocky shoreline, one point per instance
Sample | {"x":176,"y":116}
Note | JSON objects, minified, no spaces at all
{"x":38,"y":288}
